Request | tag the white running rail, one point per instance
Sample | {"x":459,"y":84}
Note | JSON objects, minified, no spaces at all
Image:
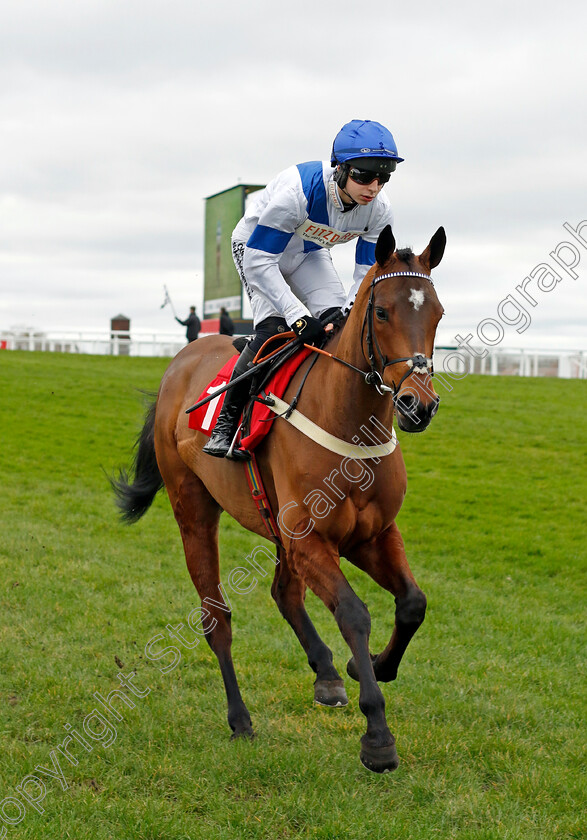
{"x":499,"y":361}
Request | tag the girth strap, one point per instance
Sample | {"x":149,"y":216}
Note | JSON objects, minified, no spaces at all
{"x":259,"y":495}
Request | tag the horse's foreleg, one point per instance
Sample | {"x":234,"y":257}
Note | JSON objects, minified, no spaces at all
{"x":385,"y":561}
{"x":318,"y":565}
{"x":288,"y":591}
{"x":197,"y":515}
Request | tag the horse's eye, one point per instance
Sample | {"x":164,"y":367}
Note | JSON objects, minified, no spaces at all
{"x":381,"y":313}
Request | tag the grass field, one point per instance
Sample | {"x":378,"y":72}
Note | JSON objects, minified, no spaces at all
{"x":489,"y":706}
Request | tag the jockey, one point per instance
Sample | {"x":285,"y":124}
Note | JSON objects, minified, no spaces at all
{"x":281,"y":248}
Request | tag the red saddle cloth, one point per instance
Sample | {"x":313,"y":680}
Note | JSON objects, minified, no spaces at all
{"x":203,"y":419}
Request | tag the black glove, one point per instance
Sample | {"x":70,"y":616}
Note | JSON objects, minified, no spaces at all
{"x":309,"y":329}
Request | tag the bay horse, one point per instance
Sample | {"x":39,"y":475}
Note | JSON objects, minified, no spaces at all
{"x":380,"y":366}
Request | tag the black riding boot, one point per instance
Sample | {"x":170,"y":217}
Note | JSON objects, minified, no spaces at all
{"x":228,"y":419}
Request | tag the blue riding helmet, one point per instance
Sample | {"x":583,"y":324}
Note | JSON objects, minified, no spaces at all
{"x":363,"y":139}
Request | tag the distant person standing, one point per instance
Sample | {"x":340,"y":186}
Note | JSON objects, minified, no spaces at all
{"x":192,"y":322}
{"x":226,"y":324}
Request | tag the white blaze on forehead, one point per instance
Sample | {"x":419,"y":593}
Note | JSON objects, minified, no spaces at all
{"x":416,"y":298}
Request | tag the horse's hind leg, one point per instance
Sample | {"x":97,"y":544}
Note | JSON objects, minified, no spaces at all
{"x":288,"y":591}
{"x":385,"y":561}
{"x":197,"y":515}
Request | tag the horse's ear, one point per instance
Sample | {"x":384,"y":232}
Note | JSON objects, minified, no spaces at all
{"x":385,"y":245}
{"x":435,"y":250}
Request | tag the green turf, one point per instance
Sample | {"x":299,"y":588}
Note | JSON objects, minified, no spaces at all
{"x":489,"y":706}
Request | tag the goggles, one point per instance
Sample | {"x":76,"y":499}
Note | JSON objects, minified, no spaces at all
{"x":367,"y":176}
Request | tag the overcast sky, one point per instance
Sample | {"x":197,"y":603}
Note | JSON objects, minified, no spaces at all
{"x":119,"y":117}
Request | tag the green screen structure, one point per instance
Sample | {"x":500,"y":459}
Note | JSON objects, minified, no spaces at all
{"x":222,"y":285}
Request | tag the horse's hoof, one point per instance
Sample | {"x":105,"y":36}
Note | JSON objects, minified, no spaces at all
{"x":385,"y":676}
{"x":380,"y":759}
{"x":330,"y":693}
{"x":351,"y":667}
{"x":247,"y":733}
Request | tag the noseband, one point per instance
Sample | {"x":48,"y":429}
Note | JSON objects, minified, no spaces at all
{"x":416,"y":364}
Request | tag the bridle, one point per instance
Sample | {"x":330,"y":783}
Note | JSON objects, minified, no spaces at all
{"x":416,"y":364}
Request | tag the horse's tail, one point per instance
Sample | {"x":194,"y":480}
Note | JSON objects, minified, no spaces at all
{"x":135,"y":499}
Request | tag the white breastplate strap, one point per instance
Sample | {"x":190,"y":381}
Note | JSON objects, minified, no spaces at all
{"x":328,"y":441}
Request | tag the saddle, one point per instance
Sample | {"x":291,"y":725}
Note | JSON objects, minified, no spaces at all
{"x":275,"y":375}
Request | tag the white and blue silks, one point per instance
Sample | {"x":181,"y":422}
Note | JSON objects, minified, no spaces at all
{"x":281,"y":246}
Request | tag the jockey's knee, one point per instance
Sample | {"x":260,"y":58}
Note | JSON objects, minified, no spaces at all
{"x":267,"y":329}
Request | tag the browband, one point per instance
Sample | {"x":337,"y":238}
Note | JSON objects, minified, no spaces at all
{"x":401,"y":274}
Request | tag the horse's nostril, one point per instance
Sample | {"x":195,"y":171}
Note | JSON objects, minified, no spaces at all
{"x":406,"y":403}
